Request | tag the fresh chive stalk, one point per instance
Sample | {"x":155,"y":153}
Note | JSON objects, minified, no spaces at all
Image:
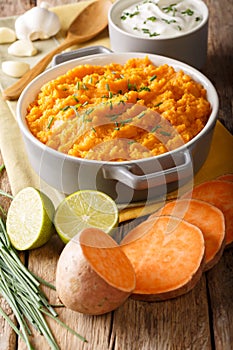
{"x":2,"y":211}
{"x":20,"y":288}
{"x":2,"y":166}
{"x":5,"y":194}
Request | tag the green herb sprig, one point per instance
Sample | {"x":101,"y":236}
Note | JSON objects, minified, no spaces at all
{"x":170,"y":8}
{"x":188,"y":12}
{"x":21,"y":289}
{"x":50,"y":122}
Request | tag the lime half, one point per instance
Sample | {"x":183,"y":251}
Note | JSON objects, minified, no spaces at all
{"x":29,"y":219}
{"x":83,"y":209}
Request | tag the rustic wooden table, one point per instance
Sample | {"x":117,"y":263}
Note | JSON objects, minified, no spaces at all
{"x":201,"y":319}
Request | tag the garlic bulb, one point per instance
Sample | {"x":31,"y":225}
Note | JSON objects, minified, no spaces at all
{"x":7,"y":35}
{"x":22,"y":48}
{"x":37,"y":23}
{"x":15,"y":69}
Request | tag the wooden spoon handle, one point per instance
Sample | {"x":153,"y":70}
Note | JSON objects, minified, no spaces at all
{"x":14,"y":91}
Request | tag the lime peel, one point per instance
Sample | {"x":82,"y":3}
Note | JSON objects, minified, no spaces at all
{"x":30,"y":219}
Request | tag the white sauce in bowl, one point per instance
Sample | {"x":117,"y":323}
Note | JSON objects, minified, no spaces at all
{"x":161,"y":18}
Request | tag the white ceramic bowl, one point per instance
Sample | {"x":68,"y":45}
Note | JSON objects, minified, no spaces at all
{"x":189,"y":47}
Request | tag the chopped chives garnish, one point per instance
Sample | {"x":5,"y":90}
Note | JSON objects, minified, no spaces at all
{"x":80,"y":86}
{"x":141,"y":115}
{"x":50,"y":122}
{"x":134,"y":14}
{"x":114,"y":117}
{"x":117,"y":126}
{"x":155,"y":128}
{"x":152,"y":19}
{"x":153,"y":77}
{"x":144,"y":88}
{"x":65,"y":108}
{"x":188,"y":12}
{"x":88,"y":111}
{"x":126,"y":121}
{"x":169,"y":22}
{"x":132,"y":86}
{"x":165,"y":133}
{"x":75,"y":98}
{"x":170,"y":8}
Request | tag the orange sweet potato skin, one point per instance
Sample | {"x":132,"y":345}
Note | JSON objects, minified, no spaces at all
{"x":80,"y":288}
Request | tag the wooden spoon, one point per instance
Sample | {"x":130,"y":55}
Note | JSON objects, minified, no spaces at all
{"x":90,"y":22}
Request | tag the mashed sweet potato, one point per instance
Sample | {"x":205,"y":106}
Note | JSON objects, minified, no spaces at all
{"x":119,"y":112}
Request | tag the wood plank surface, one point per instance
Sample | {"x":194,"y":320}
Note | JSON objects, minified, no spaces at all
{"x":199,"y":320}
{"x":17,"y":7}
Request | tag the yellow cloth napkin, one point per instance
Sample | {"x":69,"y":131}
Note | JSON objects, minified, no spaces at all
{"x":15,"y":159}
{"x":219,"y":161}
{"x":12,"y":148}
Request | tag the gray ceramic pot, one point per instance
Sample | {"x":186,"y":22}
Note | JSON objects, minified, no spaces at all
{"x":126,"y":181}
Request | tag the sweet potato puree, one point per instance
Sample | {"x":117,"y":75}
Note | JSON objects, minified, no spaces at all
{"x":119,"y":112}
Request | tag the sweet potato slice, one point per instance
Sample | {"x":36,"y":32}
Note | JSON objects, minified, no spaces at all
{"x":93,"y":275}
{"x":167,"y":257}
{"x":220,"y":194}
{"x":226,"y":177}
{"x":207,"y":217}
{"x":106,"y":259}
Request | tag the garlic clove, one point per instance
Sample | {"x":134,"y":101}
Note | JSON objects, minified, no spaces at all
{"x":15,"y":69}
{"x":45,"y":5}
{"x":37,"y":23}
{"x":22,"y":48}
{"x":7,"y":35}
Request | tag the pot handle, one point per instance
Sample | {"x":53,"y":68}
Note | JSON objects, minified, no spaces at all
{"x":85,"y":51}
{"x":124,"y":175}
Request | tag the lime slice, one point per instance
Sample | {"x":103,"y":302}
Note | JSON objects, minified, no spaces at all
{"x":83,"y":209}
{"x":29,"y":219}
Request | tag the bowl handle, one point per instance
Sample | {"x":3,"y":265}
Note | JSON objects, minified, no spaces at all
{"x":124,"y":175}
